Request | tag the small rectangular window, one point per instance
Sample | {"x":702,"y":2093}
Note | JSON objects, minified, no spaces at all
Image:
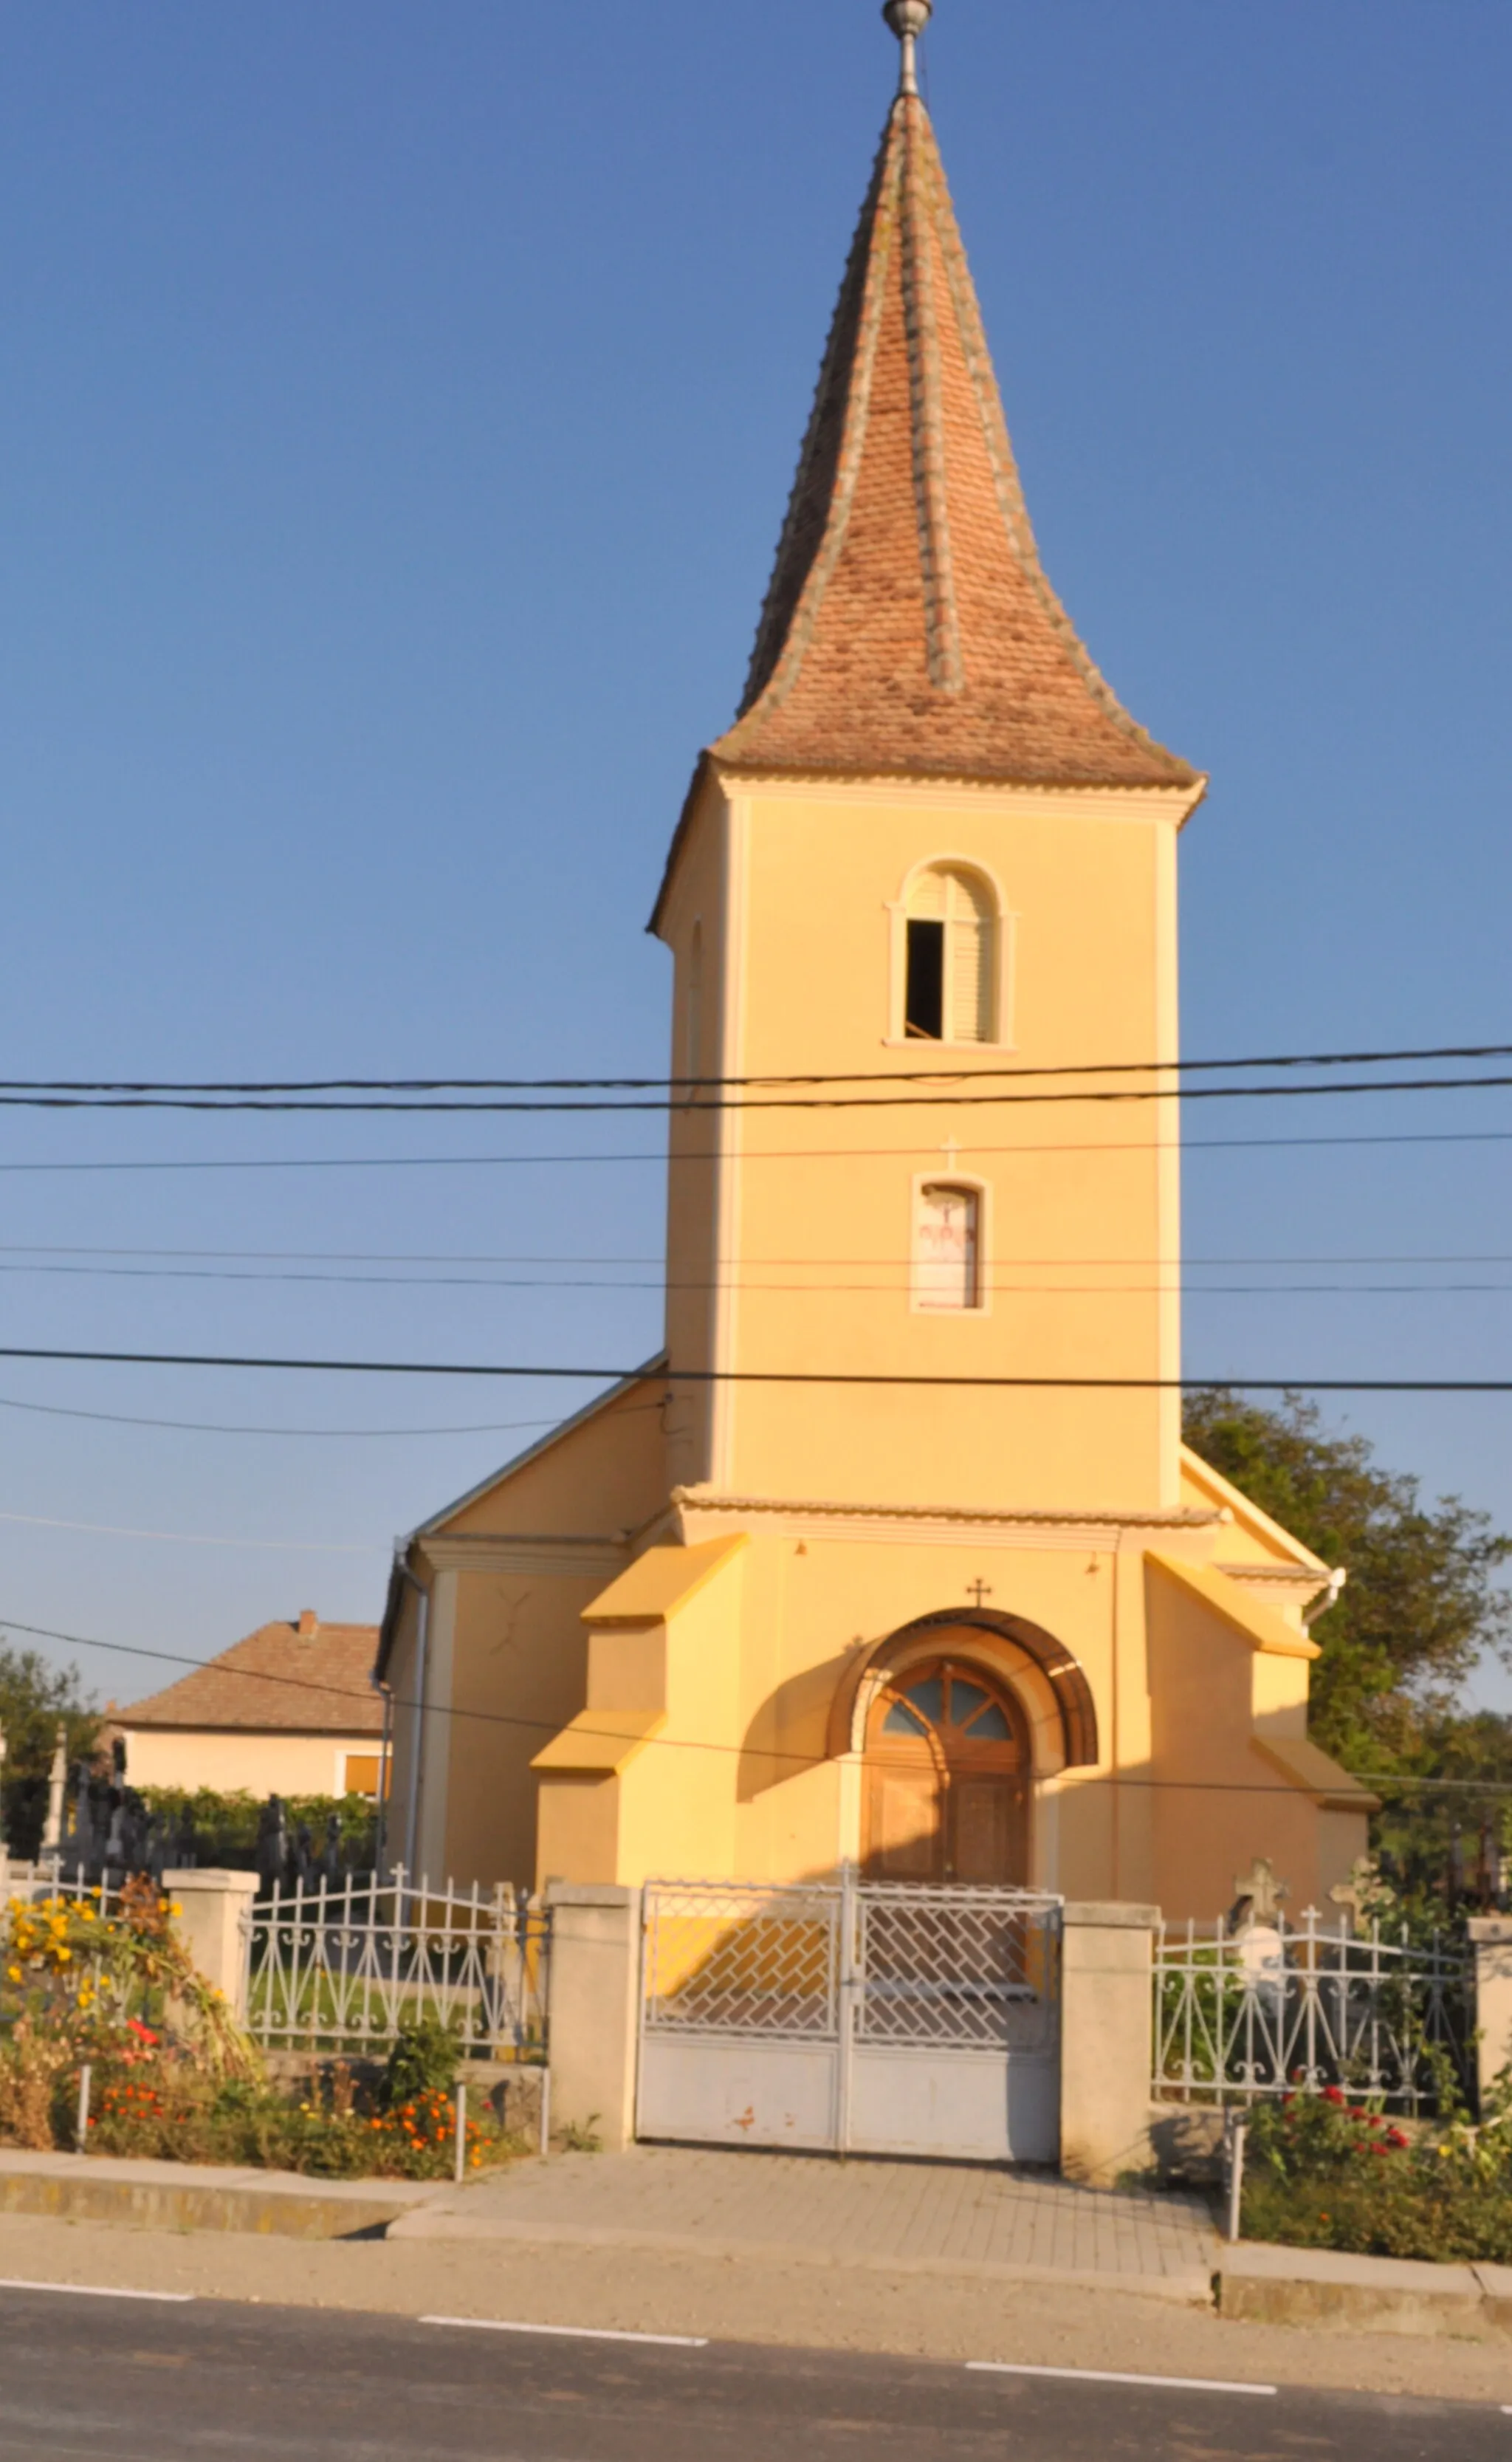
{"x":363,"y":1774}
{"x":924,"y":1010}
{"x":945,"y":1249}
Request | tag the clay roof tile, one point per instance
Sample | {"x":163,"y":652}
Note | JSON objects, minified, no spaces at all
{"x":909,"y":626}
{"x":277,"y":1680}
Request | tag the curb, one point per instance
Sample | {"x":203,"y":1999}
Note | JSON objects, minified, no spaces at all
{"x":1188,"y":2285}
{"x":1267,"y":2285}
{"x":202,"y":2196}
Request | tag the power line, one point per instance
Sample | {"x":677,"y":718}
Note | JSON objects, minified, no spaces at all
{"x":813,"y":1287}
{"x":678,"y":1743}
{"x":429,"y":1257}
{"x":690,"y":1106}
{"x":665,"y":1159}
{"x":221,"y":1428}
{"x":196,"y":1539}
{"x":695,"y":1084}
{"x":802,"y":1376}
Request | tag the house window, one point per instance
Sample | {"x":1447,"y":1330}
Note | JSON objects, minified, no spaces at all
{"x":945,"y":1247}
{"x":951,"y":958}
{"x":361,"y":1774}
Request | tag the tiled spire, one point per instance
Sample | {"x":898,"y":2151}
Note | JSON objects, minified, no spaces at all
{"x":909,"y":627}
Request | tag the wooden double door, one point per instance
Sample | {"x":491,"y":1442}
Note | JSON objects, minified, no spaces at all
{"x":947,"y":1779}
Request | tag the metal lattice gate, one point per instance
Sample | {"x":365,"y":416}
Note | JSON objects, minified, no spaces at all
{"x":855,"y":2016}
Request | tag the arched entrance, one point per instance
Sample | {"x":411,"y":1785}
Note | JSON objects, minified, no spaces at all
{"x":947,"y":1777}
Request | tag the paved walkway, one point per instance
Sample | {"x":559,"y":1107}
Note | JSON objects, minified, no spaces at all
{"x":935,"y":2218}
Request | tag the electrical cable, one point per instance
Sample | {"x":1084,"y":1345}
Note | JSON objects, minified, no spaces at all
{"x":194,"y":1539}
{"x":221,"y":1428}
{"x":804,"y":1376}
{"x":675,"y":1743}
{"x":814,"y":1288}
{"x":663,"y":1159}
{"x":688,"y":1107}
{"x":675,"y":1085}
{"x":428,"y":1257}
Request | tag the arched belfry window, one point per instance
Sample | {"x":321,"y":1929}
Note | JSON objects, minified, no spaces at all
{"x":951,"y":958}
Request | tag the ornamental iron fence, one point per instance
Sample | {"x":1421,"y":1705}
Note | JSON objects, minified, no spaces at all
{"x":1273,"y":2008}
{"x":346,"y":1968}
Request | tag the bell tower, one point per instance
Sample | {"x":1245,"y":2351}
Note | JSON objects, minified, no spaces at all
{"x":921,"y":905}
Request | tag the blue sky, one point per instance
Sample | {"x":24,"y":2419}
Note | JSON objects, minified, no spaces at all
{"x":397,"y":408}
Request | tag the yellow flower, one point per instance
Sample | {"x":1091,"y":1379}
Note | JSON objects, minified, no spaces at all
{"x":14,"y":1972}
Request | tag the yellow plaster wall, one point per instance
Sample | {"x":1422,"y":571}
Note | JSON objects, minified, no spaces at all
{"x":604,"y":1476}
{"x":677,"y":1795}
{"x":812,"y":1209}
{"x":696,"y":1234}
{"x":230,"y":1761}
{"x":1219,"y":1802}
{"x":519,"y":1663}
{"x":578,"y":1835}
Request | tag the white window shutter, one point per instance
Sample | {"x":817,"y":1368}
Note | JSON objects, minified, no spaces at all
{"x":954,"y":898}
{"x":970,"y":963}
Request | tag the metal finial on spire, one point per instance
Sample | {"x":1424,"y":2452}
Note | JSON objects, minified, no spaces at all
{"x":908,"y":19}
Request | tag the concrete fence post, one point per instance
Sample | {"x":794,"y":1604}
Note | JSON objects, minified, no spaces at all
{"x":1491,"y":1938}
{"x":1107,"y":2040}
{"x":216,"y":1907}
{"x":593,"y":2007}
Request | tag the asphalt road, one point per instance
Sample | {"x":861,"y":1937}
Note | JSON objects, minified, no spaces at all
{"x":139,"y":2381}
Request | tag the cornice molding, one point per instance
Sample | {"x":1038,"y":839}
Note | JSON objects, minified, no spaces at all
{"x":940,"y":1524}
{"x":594,"y":1557}
{"x":946,"y":793}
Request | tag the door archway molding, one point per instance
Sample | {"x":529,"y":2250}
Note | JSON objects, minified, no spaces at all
{"x":1048,"y":1682}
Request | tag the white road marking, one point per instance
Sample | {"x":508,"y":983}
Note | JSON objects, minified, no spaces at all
{"x":92,"y":2290}
{"x":579,"y":2333}
{"x":1117,"y":2376}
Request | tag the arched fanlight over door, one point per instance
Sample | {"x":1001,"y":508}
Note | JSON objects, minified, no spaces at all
{"x":947,"y":1772}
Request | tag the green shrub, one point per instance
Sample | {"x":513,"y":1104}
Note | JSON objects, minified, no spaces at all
{"x":1323,"y":2173}
{"x":425,"y":2060}
{"x":226,"y":1825}
{"x":332,"y":2131}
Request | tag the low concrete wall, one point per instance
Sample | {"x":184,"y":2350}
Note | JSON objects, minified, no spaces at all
{"x":1186,"y":2140}
{"x":1315,"y":2286}
{"x":510,"y":2090}
{"x":197,"y":2197}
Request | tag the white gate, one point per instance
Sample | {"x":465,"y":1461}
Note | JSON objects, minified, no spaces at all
{"x":860,"y":2016}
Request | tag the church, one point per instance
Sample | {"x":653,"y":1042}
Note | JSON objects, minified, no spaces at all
{"x":894,"y":1555}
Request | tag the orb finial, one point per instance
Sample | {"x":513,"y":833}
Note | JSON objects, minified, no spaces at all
{"x":908,"y":19}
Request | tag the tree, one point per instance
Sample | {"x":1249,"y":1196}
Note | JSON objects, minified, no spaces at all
{"x":1423,"y":1601}
{"x":34,"y":1700}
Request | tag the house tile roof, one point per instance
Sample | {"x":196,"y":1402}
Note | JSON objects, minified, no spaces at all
{"x":305,"y":1678}
{"x":909,"y":627}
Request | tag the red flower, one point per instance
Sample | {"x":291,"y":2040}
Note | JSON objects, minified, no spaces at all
{"x":1333,"y":2094}
{"x":144,"y":2034}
